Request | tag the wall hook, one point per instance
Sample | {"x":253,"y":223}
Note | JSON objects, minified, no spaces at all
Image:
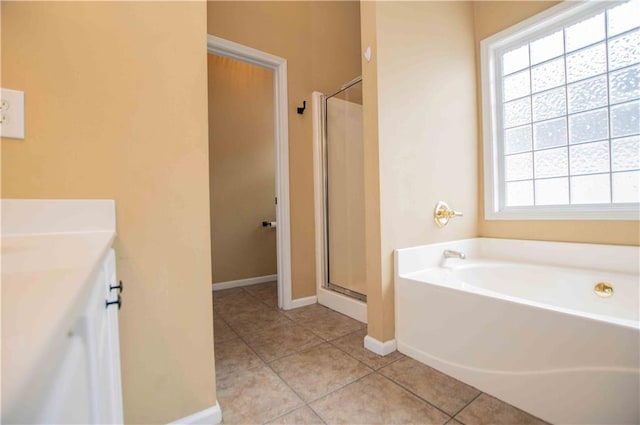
{"x":304,"y":106}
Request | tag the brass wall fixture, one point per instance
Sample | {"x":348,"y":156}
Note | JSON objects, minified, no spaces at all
{"x":603,"y":289}
{"x":443,"y":213}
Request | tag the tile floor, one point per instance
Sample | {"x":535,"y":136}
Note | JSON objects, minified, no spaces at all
{"x":309,"y":366}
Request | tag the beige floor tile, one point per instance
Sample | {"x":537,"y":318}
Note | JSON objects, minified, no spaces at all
{"x":307,"y":312}
{"x":331,"y":325}
{"x":376,"y":400}
{"x":439,"y":389}
{"x":254,"y":396}
{"x":301,"y":416}
{"x":282,"y":341}
{"x":237,"y":304}
{"x":221,"y":331}
{"x":453,"y":422}
{"x":353,"y":344}
{"x":270,"y":301}
{"x":251,"y":325}
{"x":233,"y":356}
{"x":262,"y":289}
{"x":217,"y":295}
{"x":489,"y":410}
{"x":316,"y":372}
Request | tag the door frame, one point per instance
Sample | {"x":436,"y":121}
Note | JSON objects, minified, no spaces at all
{"x":278,"y":65}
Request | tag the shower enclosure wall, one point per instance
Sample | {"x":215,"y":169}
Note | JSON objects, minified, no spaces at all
{"x":343,"y":179}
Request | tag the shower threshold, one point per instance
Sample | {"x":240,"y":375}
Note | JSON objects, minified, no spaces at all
{"x":347,"y":292}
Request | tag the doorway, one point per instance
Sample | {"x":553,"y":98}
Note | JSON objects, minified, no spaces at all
{"x":276,"y":69}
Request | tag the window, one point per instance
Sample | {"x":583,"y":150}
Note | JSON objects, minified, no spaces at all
{"x":561,"y":114}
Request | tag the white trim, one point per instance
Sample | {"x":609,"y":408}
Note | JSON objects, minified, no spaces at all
{"x":346,"y":305}
{"x":243,"y":282}
{"x":380,"y":348}
{"x":278,"y":65}
{"x":303,"y":302}
{"x":210,"y":416}
{"x":491,"y":48}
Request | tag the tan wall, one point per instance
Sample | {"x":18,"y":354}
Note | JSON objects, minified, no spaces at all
{"x":116,"y":108}
{"x":242,"y":169}
{"x":321,"y":42}
{"x":491,"y":17}
{"x":427,"y":132}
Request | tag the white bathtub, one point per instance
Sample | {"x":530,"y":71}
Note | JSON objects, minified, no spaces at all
{"x":520,"y":320}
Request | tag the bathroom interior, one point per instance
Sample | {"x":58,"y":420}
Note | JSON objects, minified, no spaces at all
{"x":321,"y":212}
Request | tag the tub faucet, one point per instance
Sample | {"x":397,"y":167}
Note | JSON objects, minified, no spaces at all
{"x":449,"y":253}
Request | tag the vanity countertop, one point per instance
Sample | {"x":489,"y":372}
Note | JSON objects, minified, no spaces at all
{"x":46,"y":278}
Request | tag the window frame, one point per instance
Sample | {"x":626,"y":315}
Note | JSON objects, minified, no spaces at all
{"x":491,"y":50}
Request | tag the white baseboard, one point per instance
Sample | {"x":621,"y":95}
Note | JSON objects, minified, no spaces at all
{"x":342,"y":304}
{"x":302,"y":302}
{"x":243,"y":282}
{"x":210,"y":416}
{"x":380,"y":348}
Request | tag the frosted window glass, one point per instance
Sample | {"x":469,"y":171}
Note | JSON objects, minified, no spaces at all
{"x":547,"y":48}
{"x":570,"y":110}
{"x":623,"y":18}
{"x":552,"y":191}
{"x":519,"y":194}
{"x":625,"y":119}
{"x":548,"y":134}
{"x":548,"y":75}
{"x":624,"y":50}
{"x":551,"y":163}
{"x":549,"y":104}
{"x":625,"y":84}
{"x":584,"y":33}
{"x":626,"y":187}
{"x":517,"y":112}
{"x":586,"y":63}
{"x":590,"y":158}
{"x":515,"y":60}
{"x":625,"y":154}
{"x":592,"y":189}
{"x":588,"y":94}
{"x":518,"y":167}
{"x":588,"y":126}
{"x":517,"y":85}
{"x":517,"y":139}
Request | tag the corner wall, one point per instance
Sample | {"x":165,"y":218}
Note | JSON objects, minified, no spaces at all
{"x":491,"y":17}
{"x":426,"y":123}
{"x":116,"y":108}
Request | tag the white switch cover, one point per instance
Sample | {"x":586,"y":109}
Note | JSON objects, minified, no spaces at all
{"x":12,"y":114}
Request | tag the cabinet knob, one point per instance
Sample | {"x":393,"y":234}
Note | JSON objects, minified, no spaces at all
{"x":119,"y":287}
{"x":118,"y":301}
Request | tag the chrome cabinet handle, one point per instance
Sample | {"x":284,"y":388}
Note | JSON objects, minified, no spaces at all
{"x":119,"y":287}
{"x":118,"y":301}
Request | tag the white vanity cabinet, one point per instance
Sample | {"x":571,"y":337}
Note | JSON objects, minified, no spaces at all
{"x":60,"y":306}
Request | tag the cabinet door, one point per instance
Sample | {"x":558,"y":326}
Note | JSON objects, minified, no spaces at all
{"x":112,"y":380}
{"x":104,"y":347}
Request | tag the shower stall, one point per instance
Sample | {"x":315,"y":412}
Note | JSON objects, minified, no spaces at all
{"x":342,"y":180}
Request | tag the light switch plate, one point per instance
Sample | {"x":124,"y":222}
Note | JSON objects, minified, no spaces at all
{"x":12,"y":114}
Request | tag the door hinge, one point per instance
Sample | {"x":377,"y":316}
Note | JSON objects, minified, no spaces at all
{"x":276,"y":200}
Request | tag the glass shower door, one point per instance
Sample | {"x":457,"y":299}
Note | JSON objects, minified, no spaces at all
{"x":344,"y":191}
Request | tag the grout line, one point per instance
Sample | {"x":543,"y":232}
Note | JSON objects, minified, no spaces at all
{"x":340,"y":388}
{"x":465,"y":406}
{"x":413,"y":393}
{"x":354,"y":357}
